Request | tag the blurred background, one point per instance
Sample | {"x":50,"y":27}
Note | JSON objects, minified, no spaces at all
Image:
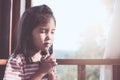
{"x":85,"y":29}
{"x":81,"y":32}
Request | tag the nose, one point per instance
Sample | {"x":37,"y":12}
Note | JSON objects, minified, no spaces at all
{"x":48,"y":36}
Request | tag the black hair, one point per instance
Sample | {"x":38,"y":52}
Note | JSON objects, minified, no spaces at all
{"x":31,"y":18}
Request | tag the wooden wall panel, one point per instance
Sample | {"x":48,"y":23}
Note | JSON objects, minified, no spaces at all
{"x":4,"y":32}
{"x":15,"y":19}
{"x":4,"y":28}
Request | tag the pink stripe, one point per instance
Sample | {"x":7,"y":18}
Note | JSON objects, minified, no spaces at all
{"x":17,"y":69}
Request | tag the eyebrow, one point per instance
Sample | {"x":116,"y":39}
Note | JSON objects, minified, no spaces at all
{"x":46,"y":28}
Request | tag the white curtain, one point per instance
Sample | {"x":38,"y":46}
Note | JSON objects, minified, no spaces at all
{"x":112,"y":49}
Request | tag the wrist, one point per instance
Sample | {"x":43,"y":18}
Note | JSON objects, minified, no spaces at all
{"x":38,"y":76}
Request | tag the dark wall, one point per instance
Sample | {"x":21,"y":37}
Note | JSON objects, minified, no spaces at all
{"x":4,"y":32}
{"x":4,"y":28}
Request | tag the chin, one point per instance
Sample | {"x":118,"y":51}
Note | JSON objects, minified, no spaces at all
{"x":46,"y":48}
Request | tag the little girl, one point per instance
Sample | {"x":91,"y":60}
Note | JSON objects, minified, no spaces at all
{"x":35,"y":36}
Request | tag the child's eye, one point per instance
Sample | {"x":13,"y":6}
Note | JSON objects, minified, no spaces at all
{"x":42,"y":31}
{"x":53,"y":32}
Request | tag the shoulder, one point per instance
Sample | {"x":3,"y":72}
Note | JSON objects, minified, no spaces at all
{"x":19,"y":59}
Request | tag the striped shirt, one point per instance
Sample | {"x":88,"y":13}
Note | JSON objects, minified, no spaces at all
{"x":18,"y":69}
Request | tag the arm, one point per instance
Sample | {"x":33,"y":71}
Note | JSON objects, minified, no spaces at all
{"x":52,"y":75}
{"x":14,"y":70}
{"x":38,"y":76}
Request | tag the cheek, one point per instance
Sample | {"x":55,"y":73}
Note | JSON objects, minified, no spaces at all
{"x":41,"y":37}
{"x":52,"y":37}
{"x":38,"y":40}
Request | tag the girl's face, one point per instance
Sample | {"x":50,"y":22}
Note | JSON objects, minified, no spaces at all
{"x":43,"y":35}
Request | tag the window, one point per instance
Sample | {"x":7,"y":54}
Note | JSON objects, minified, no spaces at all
{"x":82,"y":26}
{"x":82,"y":30}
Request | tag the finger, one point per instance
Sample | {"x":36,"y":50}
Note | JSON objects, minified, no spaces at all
{"x":50,"y":58}
{"x":44,"y":58}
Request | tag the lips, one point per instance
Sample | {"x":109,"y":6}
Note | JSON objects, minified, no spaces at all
{"x":47,"y":44}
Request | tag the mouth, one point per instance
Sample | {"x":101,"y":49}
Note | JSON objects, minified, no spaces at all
{"x":47,"y":44}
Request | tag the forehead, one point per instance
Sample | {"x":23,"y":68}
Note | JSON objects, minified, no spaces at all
{"x":50,"y":24}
